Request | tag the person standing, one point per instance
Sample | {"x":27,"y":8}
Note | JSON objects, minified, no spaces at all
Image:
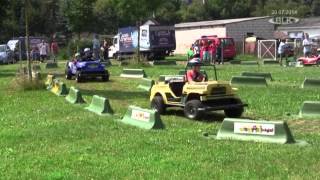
{"x":282,"y":50}
{"x":212,"y":51}
{"x":54,"y":49}
{"x":205,"y":51}
{"x":43,"y":48}
{"x":96,"y":47}
{"x":306,"y":43}
{"x":105,"y":50}
{"x":190,"y":53}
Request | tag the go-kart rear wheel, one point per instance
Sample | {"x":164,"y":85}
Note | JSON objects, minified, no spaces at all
{"x":191,"y":109}
{"x":157,"y":103}
{"x":78,"y":77}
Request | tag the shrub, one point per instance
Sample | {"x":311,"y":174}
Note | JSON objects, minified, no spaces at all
{"x":22,"y":82}
{"x":78,"y":45}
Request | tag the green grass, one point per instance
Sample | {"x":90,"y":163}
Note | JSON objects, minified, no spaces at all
{"x":44,"y":137}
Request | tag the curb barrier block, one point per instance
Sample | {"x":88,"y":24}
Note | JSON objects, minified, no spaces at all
{"x":249,"y":63}
{"x":36,"y":68}
{"x":311,"y":83}
{"x":249,"y":80}
{"x":146,"y":84}
{"x":59,"y":88}
{"x":270,"y":62}
{"x":51,"y":65}
{"x":259,"y":131}
{"x":235,"y":62}
{"x":257,"y":74}
{"x":74,"y":96}
{"x":310,"y":109}
{"x":50,"y":80}
{"x":163,"y":62}
{"x":142,"y":118}
{"x":163,"y":78}
{"x":133,"y":73}
{"x":36,"y":75}
{"x":100,"y":105}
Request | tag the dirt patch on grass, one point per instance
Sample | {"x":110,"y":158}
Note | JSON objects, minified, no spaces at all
{"x":305,"y":126}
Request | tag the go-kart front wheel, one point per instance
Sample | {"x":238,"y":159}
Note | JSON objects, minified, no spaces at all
{"x":234,"y":112}
{"x":68,"y":74}
{"x":191,"y":109}
{"x":79,"y":77}
{"x":157,"y":103}
{"x":105,"y":77}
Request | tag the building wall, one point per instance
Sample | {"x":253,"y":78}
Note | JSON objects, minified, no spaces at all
{"x":311,"y":31}
{"x":260,"y":27}
{"x":186,"y":36}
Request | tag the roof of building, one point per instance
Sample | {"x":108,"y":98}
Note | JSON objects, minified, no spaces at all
{"x":151,"y":22}
{"x":216,"y":22}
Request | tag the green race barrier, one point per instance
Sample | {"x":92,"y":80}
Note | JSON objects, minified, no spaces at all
{"x":259,"y":131}
{"x":59,"y":88}
{"x":310,"y":109}
{"x":164,"y":62}
{"x":235,"y":62}
{"x":249,"y":80}
{"x":163,"y":78}
{"x":74,"y":96}
{"x":142,"y":118}
{"x":270,"y":62}
{"x":36,"y":68}
{"x":258,"y":74}
{"x":311,"y":83}
{"x":249,"y":63}
{"x":133,"y":73}
{"x":51,"y":65}
{"x":50,"y":80}
{"x":100,"y":106}
{"x":146,"y":84}
{"x":36,"y":75}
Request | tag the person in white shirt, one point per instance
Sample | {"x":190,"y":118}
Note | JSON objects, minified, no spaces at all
{"x":306,"y":43}
{"x":282,"y":50}
{"x":43,"y":49}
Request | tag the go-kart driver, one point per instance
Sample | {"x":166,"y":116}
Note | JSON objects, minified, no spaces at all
{"x":194,"y":75}
{"x":87,"y":55}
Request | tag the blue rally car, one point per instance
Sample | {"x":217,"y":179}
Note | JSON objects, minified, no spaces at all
{"x":86,"y":69}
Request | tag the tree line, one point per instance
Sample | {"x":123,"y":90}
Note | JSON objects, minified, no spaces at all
{"x":105,"y":16}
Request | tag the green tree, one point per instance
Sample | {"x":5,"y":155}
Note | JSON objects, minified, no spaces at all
{"x":78,"y":14}
{"x":166,"y":12}
{"x":315,"y":8}
{"x":196,"y":11}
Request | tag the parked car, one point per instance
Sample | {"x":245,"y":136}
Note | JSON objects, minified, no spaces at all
{"x":5,"y":54}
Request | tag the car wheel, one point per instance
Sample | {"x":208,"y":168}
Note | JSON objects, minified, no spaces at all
{"x":78,"y":77}
{"x":234,"y":112}
{"x":157,"y":103}
{"x":191,"y":109}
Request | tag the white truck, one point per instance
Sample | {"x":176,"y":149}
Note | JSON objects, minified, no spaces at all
{"x":156,"y":42}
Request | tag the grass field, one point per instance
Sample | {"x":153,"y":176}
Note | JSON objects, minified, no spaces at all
{"x":44,"y":137}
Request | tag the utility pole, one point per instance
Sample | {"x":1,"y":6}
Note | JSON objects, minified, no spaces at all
{"x":138,"y":24}
{"x":27,"y":6}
